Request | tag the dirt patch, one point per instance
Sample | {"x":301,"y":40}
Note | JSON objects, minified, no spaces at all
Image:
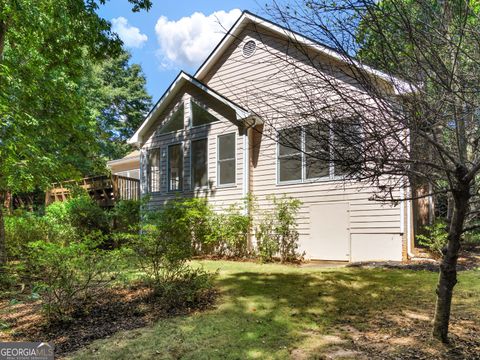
{"x":116,"y":310}
{"x":469,"y":259}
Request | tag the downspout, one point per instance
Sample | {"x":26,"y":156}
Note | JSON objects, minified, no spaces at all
{"x":406,"y":202}
{"x":246,"y":168}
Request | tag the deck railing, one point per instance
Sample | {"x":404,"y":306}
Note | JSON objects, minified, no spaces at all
{"x":106,"y":190}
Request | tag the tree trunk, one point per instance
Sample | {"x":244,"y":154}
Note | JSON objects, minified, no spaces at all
{"x":448,"y":267}
{"x":3,"y":33}
{"x":3,"y":250}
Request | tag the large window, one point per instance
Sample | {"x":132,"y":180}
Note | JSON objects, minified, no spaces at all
{"x":153,"y":170}
{"x":201,"y":116}
{"x":175,"y":167}
{"x":175,"y":122}
{"x":199,"y":163}
{"x":226,"y":159}
{"x":306,"y":152}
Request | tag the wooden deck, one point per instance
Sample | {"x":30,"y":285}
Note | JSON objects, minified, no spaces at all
{"x":105,"y":190}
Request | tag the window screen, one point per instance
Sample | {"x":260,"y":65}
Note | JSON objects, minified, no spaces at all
{"x":175,"y":123}
{"x":289,"y":154}
{"x":348,"y":143}
{"x":153,"y":170}
{"x":199,"y":163}
{"x":226,"y":159}
{"x":201,"y":116}
{"x":175,"y":167}
{"x":317,"y":151}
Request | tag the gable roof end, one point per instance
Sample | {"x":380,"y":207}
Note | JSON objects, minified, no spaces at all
{"x":173,"y":89}
{"x":400,"y":87}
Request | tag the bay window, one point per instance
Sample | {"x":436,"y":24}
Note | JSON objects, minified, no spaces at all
{"x":175,"y":167}
{"x":199,"y":163}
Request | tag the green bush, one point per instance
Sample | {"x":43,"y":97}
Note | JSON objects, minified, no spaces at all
{"x":435,"y":237}
{"x":229,"y":232}
{"x":86,"y":216}
{"x":277,"y":233}
{"x":125,"y":220}
{"x":22,"y":228}
{"x":69,"y":276}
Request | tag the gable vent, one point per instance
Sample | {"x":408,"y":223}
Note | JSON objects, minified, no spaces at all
{"x":249,"y":48}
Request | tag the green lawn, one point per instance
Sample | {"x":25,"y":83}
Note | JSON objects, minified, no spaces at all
{"x":277,"y":312}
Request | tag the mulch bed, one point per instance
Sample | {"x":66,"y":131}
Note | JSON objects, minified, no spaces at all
{"x":469,"y":259}
{"x":115,"y":310}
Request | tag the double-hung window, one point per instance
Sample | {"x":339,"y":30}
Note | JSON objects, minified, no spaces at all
{"x":318,"y":151}
{"x":199,"y":165}
{"x":153,"y":170}
{"x":175,"y":167}
{"x":226,"y":159}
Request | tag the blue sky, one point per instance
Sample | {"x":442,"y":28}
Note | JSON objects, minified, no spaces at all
{"x":173,"y":35}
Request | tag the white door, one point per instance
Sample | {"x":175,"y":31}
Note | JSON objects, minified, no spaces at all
{"x":329,"y":232}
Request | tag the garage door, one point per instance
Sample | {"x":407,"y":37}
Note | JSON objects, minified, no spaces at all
{"x":329,"y":232}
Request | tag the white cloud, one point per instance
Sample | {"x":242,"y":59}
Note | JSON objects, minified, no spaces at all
{"x":190,"y":40}
{"x":130,"y":35}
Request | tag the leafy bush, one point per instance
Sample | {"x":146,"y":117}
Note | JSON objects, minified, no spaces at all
{"x":86,"y":216}
{"x":70,"y":275}
{"x":229,"y":232}
{"x":22,"y":228}
{"x":277,"y":233}
{"x":435,"y":237}
{"x":125,"y":220}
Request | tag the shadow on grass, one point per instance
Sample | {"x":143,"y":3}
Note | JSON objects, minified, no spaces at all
{"x":287,"y":314}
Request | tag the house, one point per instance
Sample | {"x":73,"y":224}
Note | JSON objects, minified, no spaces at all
{"x":206,"y":137}
{"x":128,"y":166}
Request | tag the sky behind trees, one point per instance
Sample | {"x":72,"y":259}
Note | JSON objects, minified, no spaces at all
{"x":173,"y":36}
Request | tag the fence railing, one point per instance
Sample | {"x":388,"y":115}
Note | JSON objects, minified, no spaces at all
{"x":106,"y":190}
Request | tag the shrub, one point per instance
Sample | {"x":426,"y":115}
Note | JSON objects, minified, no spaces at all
{"x":435,"y":237}
{"x":22,"y":228}
{"x":125,"y":220}
{"x":71,"y":275}
{"x":229,"y":232}
{"x":86,"y":216}
{"x":277,"y":231}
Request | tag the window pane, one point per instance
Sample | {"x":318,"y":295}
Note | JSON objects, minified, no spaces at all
{"x":348,"y":144}
{"x":226,"y":146}
{"x":290,"y":141}
{"x":317,"y":139}
{"x":226,"y":170}
{"x":201,"y":116}
{"x":290,"y":168}
{"x":154,"y":170}
{"x":199,"y":163}
{"x":175,"y":167}
{"x":175,"y":122}
{"x":316,"y":168}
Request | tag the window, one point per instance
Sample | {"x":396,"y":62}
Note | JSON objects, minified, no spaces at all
{"x":347,"y":149}
{"x":305,"y":153}
{"x":153,"y":170}
{"x":175,"y":122}
{"x":226,"y":159}
{"x":175,"y":167}
{"x":290,"y":154}
{"x":201,"y":116}
{"x":199,"y":163}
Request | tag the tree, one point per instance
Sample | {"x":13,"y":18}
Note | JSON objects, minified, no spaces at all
{"x":424,"y":128}
{"x":120,"y":101}
{"x":47,"y":129}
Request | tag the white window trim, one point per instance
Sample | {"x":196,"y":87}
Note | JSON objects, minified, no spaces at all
{"x":304,"y":180}
{"x":168,"y":167}
{"x":234,"y":184}
{"x":192,"y":185}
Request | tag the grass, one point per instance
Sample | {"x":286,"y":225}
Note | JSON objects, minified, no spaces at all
{"x":276,"y":312}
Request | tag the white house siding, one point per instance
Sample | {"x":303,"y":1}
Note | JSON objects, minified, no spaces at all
{"x":375,"y":228}
{"x":220,"y":197}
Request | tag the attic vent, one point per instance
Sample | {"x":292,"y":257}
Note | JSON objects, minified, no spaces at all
{"x":249,"y":48}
